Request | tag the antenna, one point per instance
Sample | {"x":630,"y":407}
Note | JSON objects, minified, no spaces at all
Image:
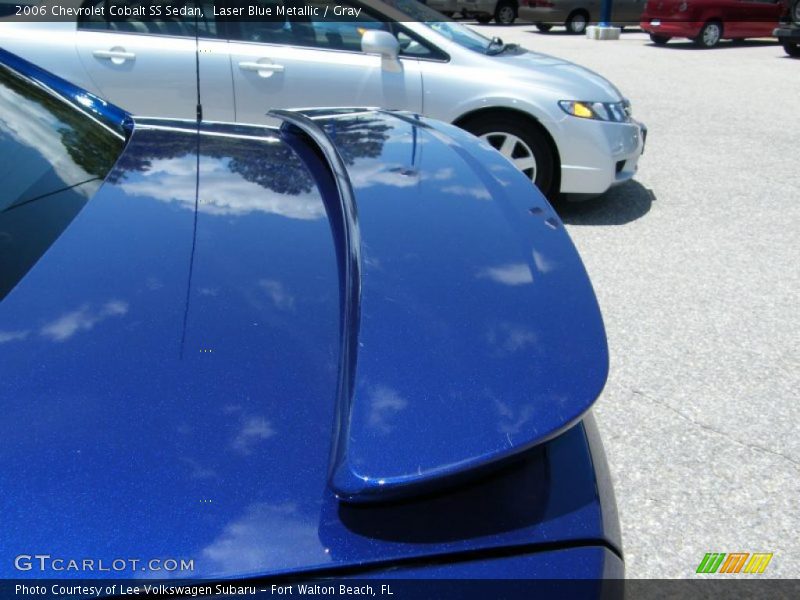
{"x":196,"y":184}
{"x":199,"y":109}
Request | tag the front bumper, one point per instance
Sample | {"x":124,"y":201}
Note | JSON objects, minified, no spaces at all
{"x":596,"y":155}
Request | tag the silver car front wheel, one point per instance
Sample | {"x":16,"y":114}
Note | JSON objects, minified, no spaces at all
{"x":514,"y":149}
{"x":522,"y":141}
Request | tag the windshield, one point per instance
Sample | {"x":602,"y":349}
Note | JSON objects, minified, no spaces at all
{"x":460,"y":34}
{"x":54,"y":157}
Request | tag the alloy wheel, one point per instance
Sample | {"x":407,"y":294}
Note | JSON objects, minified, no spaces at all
{"x":711,"y":35}
{"x":506,"y":15}
{"x":515,"y":150}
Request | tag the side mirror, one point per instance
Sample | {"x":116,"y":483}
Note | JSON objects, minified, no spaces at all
{"x":385,"y":44}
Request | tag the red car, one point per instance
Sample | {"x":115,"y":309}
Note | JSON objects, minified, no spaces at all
{"x":706,"y":22}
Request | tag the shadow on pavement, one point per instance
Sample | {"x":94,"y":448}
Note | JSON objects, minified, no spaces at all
{"x":511,"y":27}
{"x":618,"y":206}
{"x":723,"y":45}
{"x":562,"y":31}
{"x":553,"y":32}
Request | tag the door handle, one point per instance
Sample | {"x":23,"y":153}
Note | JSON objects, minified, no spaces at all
{"x":265,"y":69}
{"x":116,"y":55}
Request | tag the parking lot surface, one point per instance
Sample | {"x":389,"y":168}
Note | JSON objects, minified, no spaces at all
{"x":695,"y":264}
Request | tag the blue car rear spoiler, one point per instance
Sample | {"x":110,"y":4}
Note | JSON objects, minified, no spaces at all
{"x":560,"y":359}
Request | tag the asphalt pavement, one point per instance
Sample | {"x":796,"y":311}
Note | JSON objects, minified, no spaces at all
{"x":697,"y":270}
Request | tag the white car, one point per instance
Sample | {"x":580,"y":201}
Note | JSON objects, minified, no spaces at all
{"x":564,"y":126}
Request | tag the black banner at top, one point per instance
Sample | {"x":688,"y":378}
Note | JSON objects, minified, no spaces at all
{"x":143,"y":11}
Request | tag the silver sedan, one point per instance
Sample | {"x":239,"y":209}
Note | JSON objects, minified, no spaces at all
{"x":567,"y":128}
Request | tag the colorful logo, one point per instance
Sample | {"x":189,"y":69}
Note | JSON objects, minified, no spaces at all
{"x":736,"y":562}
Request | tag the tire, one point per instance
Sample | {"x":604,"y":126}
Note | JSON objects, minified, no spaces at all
{"x":792,"y":49}
{"x":794,"y":12}
{"x":505,"y":13}
{"x":543,"y":27}
{"x":709,"y":35}
{"x":483,"y":19}
{"x":577,"y":21}
{"x":659,"y":40}
{"x":531,"y":143}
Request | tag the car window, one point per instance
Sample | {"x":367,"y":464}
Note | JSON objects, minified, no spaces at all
{"x":155,"y":21}
{"x":456,"y":32}
{"x":414,"y":47}
{"x":302,"y":30}
{"x":57,"y":157}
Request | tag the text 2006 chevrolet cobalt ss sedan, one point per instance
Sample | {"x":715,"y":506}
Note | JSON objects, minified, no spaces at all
{"x":357,"y":343}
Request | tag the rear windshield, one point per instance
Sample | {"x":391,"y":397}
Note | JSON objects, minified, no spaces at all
{"x":53,"y":157}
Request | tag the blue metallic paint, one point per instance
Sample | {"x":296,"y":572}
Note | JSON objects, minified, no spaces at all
{"x":169,"y":389}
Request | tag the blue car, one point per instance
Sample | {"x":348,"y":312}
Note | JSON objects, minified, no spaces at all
{"x":356,"y":344}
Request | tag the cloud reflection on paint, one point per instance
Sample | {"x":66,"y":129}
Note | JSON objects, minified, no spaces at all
{"x":277,"y":293}
{"x":253,"y":431}
{"x":513,"y":417}
{"x":544,"y":264}
{"x":385,"y":403}
{"x":507,"y":338}
{"x":13,"y":336}
{"x":512,"y":274}
{"x":82,"y":319}
{"x":375,"y":172}
{"x":477,"y":192}
{"x":222,"y":191}
{"x":257,"y":542}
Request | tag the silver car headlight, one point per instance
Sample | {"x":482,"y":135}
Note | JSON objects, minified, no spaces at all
{"x":616,"y":112}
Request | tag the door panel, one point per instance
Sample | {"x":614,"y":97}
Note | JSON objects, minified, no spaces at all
{"x":751,"y":18}
{"x":149,"y":67}
{"x":50,"y":46}
{"x":155,"y":76}
{"x":757,"y":18}
{"x":303,"y":77}
{"x":300,"y":63}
